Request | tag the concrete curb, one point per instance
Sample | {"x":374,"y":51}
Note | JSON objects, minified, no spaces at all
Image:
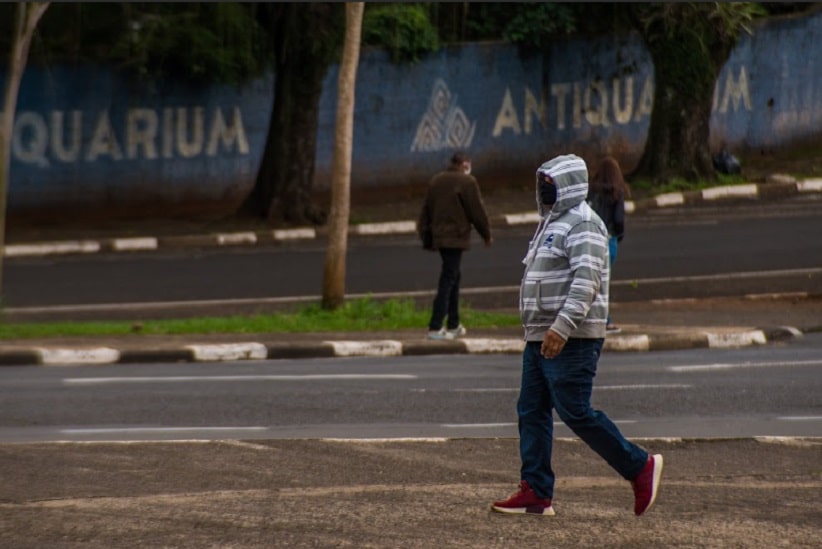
{"x":253,"y":350}
{"x":777,"y":186}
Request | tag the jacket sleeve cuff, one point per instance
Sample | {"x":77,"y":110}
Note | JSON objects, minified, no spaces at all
{"x":562,"y":327}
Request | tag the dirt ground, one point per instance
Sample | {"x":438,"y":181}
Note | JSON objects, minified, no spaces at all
{"x":372,"y":494}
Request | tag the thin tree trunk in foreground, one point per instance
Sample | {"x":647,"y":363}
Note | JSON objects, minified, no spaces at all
{"x":334,"y":270}
{"x":27,"y":16}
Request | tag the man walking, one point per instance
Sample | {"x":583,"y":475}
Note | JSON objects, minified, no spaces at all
{"x":453,"y":204}
{"x":564,"y":307}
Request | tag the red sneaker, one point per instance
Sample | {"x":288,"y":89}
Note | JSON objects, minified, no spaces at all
{"x":646,"y":484}
{"x":524,"y":501}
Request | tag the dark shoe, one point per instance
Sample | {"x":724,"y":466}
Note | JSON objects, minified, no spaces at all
{"x":646,"y":484}
{"x":524,"y":502}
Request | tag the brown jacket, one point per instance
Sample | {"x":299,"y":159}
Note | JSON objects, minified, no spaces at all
{"x":453,"y":204}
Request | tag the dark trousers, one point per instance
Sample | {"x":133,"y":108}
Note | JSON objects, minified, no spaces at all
{"x":564,"y":384}
{"x":447,"y":301}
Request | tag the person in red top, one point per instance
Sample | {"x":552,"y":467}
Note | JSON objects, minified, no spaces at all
{"x":453,"y":205}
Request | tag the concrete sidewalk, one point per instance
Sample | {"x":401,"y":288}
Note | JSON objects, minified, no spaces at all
{"x":763,"y":492}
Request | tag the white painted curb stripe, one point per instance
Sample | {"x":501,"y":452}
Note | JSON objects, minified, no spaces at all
{"x":293,"y":234}
{"x":643,"y":387}
{"x":384,"y":228}
{"x":367,"y":348}
{"x":99,"y":355}
{"x":114,"y":430}
{"x":381,"y":440}
{"x":810,"y":185}
{"x":522,"y":218}
{"x":795,"y":332}
{"x":789,"y":441}
{"x":730,"y":190}
{"x":808,"y":441}
{"x":720,"y":366}
{"x":477,"y":345}
{"x":138,"y":243}
{"x":237,"y":238}
{"x":670,"y":199}
{"x":628,"y":343}
{"x":776,"y":295}
{"x":477,"y":425}
{"x":74,"y":381}
{"x":229,"y":351}
{"x":44,"y":248}
{"x":736,"y":340}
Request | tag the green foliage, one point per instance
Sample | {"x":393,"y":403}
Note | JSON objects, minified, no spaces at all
{"x":789,"y":8}
{"x":77,"y":33}
{"x":532,"y":25}
{"x":733,"y":18}
{"x":365,"y":314}
{"x":203,"y":42}
{"x":710,"y":26}
{"x":536,"y":25}
{"x":485,"y":21}
{"x":307,"y":33}
{"x":218,"y":42}
{"x":404,"y":30}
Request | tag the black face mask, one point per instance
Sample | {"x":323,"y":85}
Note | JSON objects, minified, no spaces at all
{"x":547,"y":192}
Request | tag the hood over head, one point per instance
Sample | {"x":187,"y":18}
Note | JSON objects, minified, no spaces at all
{"x":570,"y":174}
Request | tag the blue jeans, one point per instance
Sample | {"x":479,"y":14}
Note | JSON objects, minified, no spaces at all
{"x":564,"y":384}
{"x":447,"y":301}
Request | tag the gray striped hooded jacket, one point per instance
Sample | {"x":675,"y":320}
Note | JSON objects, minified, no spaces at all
{"x":565,"y":284}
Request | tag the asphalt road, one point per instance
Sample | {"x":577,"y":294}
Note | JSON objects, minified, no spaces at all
{"x":680,"y":253}
{"x":764,"y":391}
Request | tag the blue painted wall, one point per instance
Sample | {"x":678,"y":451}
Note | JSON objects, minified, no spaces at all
{"x":87,"y":139}
{"x":770,"y":91}
{"x":588,"y":97}
{"x":509,"y":111}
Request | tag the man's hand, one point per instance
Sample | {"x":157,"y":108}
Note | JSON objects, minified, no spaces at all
{"x":552,"y":344}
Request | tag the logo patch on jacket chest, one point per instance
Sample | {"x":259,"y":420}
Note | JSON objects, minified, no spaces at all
{"x":549,"y":241}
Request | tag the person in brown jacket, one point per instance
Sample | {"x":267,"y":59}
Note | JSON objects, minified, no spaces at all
{"x":453,"y":204}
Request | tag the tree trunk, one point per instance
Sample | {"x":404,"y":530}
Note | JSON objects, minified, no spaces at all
{"x":27,"y":16}
{"x":689,"y":44}
{"x":679,"y":130}
{"x":334,"y":271}
{"x":304,"y":51}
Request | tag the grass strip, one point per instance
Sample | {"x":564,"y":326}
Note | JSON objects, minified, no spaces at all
{"x":364,"y":314}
